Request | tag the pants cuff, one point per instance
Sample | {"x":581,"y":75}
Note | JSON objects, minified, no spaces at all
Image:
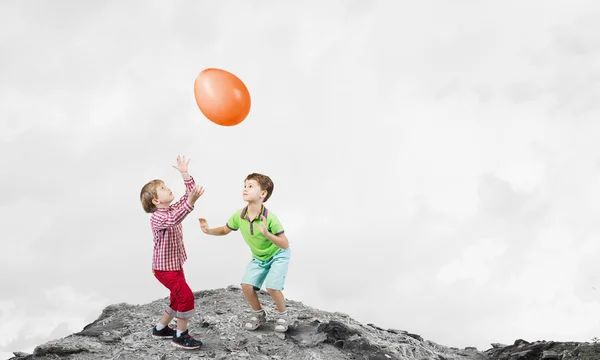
{"x":184,"y":314}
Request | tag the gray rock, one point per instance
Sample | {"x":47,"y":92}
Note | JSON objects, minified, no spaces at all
{"x":60,"y":348}
{"x":549,"y":354}
{"x":20,"y":355}
{"x":415,"y":336}
{"x":400,"y":332}
{"x":538,"y":350}
{"x":98,"y":328}
{"x":123,"y":331}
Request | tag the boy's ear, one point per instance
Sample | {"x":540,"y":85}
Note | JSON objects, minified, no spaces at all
{"x":155,"y":201}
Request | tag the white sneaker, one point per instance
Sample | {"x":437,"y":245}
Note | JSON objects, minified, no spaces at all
{"x":283,"y":322}
{"x":255,"y":320}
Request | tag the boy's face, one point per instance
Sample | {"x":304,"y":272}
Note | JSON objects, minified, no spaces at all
{"x":252,"y":191}
{"x":164,"y":195}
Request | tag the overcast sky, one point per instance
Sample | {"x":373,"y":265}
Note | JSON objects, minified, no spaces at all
{"x":436,"y":166}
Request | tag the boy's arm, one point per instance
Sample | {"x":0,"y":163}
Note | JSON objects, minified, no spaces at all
{"x":280,"y":240}
{"x":161,"y":220}
{"x":189,"y":183}
{"x":182,"y":167}
{"x":273,"y":230}
{"x":220,"y":231}
{"x":231,"y":225}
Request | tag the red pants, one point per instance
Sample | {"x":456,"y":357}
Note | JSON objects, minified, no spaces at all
{"x":182,"y":298}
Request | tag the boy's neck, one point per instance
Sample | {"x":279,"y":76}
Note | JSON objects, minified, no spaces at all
{"x":254,"y":208}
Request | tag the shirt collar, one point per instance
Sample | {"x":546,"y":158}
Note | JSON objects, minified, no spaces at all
{"x":263,"y":211}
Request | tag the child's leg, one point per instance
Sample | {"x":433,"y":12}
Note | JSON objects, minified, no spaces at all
{"x":275,"y":283}
{"x":258,"y":316}
{"x":166,"y":279}
{"x":251,"y":296}
{"x":162,"y":329}
{"x":185,"y":302}
{"x":185,"y":310}
{"x":181,"y":298}
{"x":181,"y":325}
{"x":165,"y":319}
{"x":275,"y":279}
{"x":255,"y":274}
{"x":278,"y":298}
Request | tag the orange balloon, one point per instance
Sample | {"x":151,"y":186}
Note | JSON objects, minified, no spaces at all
{"x":221,"y":96}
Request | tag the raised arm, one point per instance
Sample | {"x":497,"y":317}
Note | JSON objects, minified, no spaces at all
{"x":220,"y":231}
{"x":188,"y":181}
{"x":161,"y":220}
{"x":189,"y":187}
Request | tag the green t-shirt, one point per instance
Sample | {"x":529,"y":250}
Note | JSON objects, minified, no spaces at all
{"x":261,"y":247}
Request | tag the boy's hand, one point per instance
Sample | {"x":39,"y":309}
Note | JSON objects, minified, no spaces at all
{"x":182,"y":165}
{"x":195,"y":194}
{"x":263,"y":225}
{"x":203,"y":225}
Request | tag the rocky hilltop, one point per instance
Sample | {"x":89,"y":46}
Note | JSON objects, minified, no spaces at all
{"x":123,"y":331}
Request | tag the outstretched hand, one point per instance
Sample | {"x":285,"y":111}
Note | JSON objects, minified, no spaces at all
{"x":203,"y":225}
{"x":195,"y":194}
{"x":182,"y":165}
{"x":263,"y":225}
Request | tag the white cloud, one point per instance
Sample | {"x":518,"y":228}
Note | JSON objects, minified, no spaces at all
{"x":31,"y":321}
{"x":474,"y":262}
{"x":437,"y":159}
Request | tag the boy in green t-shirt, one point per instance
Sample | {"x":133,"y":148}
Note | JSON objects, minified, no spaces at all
{"x":270,"y":249}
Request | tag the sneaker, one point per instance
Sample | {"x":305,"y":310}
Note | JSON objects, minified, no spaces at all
{"x":255,"y":320}
{"x":165,"y":333}
{"x":186,"y":341}
{"x":283,"y":322}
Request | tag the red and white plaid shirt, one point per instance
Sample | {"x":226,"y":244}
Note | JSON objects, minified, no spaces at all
{"x":169,"y":251}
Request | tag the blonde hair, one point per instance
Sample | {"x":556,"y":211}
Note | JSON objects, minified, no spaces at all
{"x":148,"y":194}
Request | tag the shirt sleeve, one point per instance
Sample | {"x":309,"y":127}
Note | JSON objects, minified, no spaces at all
{"x":234,"y":221}
{"x":161,"y":220}
{"x":189,"y":183}
{"x":189,"y":186}
{"x":274,"y":225}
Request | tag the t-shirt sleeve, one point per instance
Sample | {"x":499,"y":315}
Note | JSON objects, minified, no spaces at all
{"x":274,"y":225}
{"x":234,"y":221}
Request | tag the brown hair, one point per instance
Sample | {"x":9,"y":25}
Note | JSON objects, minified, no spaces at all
{"x":148,"y":193}
{"x":264,"y":182}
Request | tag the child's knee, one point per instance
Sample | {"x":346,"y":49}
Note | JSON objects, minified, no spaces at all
{"x":275,"y":281}
{"x":185,"y":295}
{"x":248,"y":287}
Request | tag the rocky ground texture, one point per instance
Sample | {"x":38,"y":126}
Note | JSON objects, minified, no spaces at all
{"x":123,"y":331}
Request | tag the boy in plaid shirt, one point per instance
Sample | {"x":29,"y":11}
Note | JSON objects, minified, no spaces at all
{"x":169,"y":252}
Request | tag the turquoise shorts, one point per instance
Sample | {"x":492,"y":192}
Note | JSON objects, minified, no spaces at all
{"x":272,"y":272}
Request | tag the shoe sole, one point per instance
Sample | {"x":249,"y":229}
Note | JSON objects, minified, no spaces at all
{"x":186,"y":347}
{"x":253,"y":327}
{"x":280,"y":331}
{"x":162,"y":336}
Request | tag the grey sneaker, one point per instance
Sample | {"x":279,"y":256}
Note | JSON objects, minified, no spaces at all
{"x":284,"y":320}
{"x":256,"y":319}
